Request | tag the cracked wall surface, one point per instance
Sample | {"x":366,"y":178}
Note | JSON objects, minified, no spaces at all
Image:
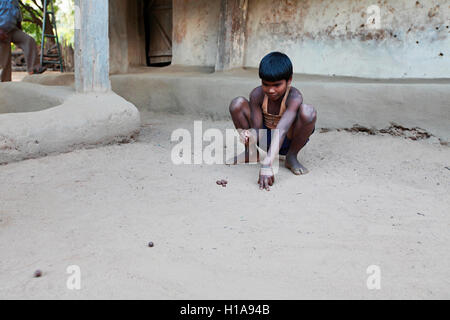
{"x":339,"y":38}
{"x":327,"y":37}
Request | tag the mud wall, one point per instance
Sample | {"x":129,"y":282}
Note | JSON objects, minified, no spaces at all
{"x":195,"y":32}
{"x":407,"y":39}
{"x":327,"y":37}
{"x":126,"y":35}
{"x":335,"y":37}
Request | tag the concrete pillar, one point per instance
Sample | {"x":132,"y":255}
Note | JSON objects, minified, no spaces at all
{"x":232,"y":36}
{"x":91,"y":46}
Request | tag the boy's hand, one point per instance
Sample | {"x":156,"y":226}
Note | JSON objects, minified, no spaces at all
{"x":247,"y":137}
{"x":266,"y":178}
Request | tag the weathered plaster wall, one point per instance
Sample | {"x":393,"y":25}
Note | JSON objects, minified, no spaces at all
{"x":136,"y":34}
{"x":329,"y":37}
{"x":126,"y":34}
{"x":323,"y":37}
{"x":195,"y":32}
{"x":118,"y":36}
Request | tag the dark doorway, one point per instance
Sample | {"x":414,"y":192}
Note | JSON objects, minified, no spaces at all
{"x":158,"y":32}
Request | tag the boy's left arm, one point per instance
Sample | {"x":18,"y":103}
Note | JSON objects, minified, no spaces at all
{"x":293,"y":105}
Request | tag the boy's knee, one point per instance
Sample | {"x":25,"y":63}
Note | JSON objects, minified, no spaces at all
{"x":308,"y":113}
{"x":237,"y":104}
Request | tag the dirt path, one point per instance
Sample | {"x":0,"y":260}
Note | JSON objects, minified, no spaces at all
{"x":368,"y":200}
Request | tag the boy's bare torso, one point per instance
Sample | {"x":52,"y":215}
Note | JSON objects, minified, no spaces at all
{"x":273,"y":107}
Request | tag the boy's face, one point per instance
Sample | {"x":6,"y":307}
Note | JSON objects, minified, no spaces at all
{"x":275,"y":90}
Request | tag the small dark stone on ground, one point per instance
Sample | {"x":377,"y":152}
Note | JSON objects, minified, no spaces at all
{"x":420,"y":214}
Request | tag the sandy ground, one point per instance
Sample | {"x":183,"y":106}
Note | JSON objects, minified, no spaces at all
{"x":368,"y":200}
{"x":19,"y":75}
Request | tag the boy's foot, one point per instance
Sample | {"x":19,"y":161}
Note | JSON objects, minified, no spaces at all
{"x":296,"y":167}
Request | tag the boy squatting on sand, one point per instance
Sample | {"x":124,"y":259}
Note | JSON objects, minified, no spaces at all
{"x":274,"y":105}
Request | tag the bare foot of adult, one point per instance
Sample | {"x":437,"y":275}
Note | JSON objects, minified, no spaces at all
{"x":296,"y":167}
{"x":39,"y":70}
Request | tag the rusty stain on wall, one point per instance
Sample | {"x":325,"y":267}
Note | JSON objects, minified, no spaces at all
{"x":179,"y":26}
{"x":195,"y":31}
{"x":433,"y":11}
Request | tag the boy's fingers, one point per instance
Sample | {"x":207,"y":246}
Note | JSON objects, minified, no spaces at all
{"x":263,"y":183}
{"x":266,"y":183}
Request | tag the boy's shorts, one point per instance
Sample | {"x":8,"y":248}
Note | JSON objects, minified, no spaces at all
{"x":286,"y":143}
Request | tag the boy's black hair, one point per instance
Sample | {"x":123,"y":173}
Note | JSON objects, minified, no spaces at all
{"x":275,"y":66}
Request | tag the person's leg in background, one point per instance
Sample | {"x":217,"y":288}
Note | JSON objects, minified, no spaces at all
{"x":29,"y":47}
{"x":5,"y":60}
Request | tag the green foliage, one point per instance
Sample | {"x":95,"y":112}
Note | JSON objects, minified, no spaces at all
{"x":65,"y":20}
{"x":32,"y":16}
{"x":33,"y":30}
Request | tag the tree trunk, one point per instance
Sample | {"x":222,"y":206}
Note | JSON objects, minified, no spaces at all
{"x":49,"y":42}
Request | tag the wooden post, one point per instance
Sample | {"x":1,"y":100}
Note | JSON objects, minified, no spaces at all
{"x":232,"y":36}
{"x":91,"y":46}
